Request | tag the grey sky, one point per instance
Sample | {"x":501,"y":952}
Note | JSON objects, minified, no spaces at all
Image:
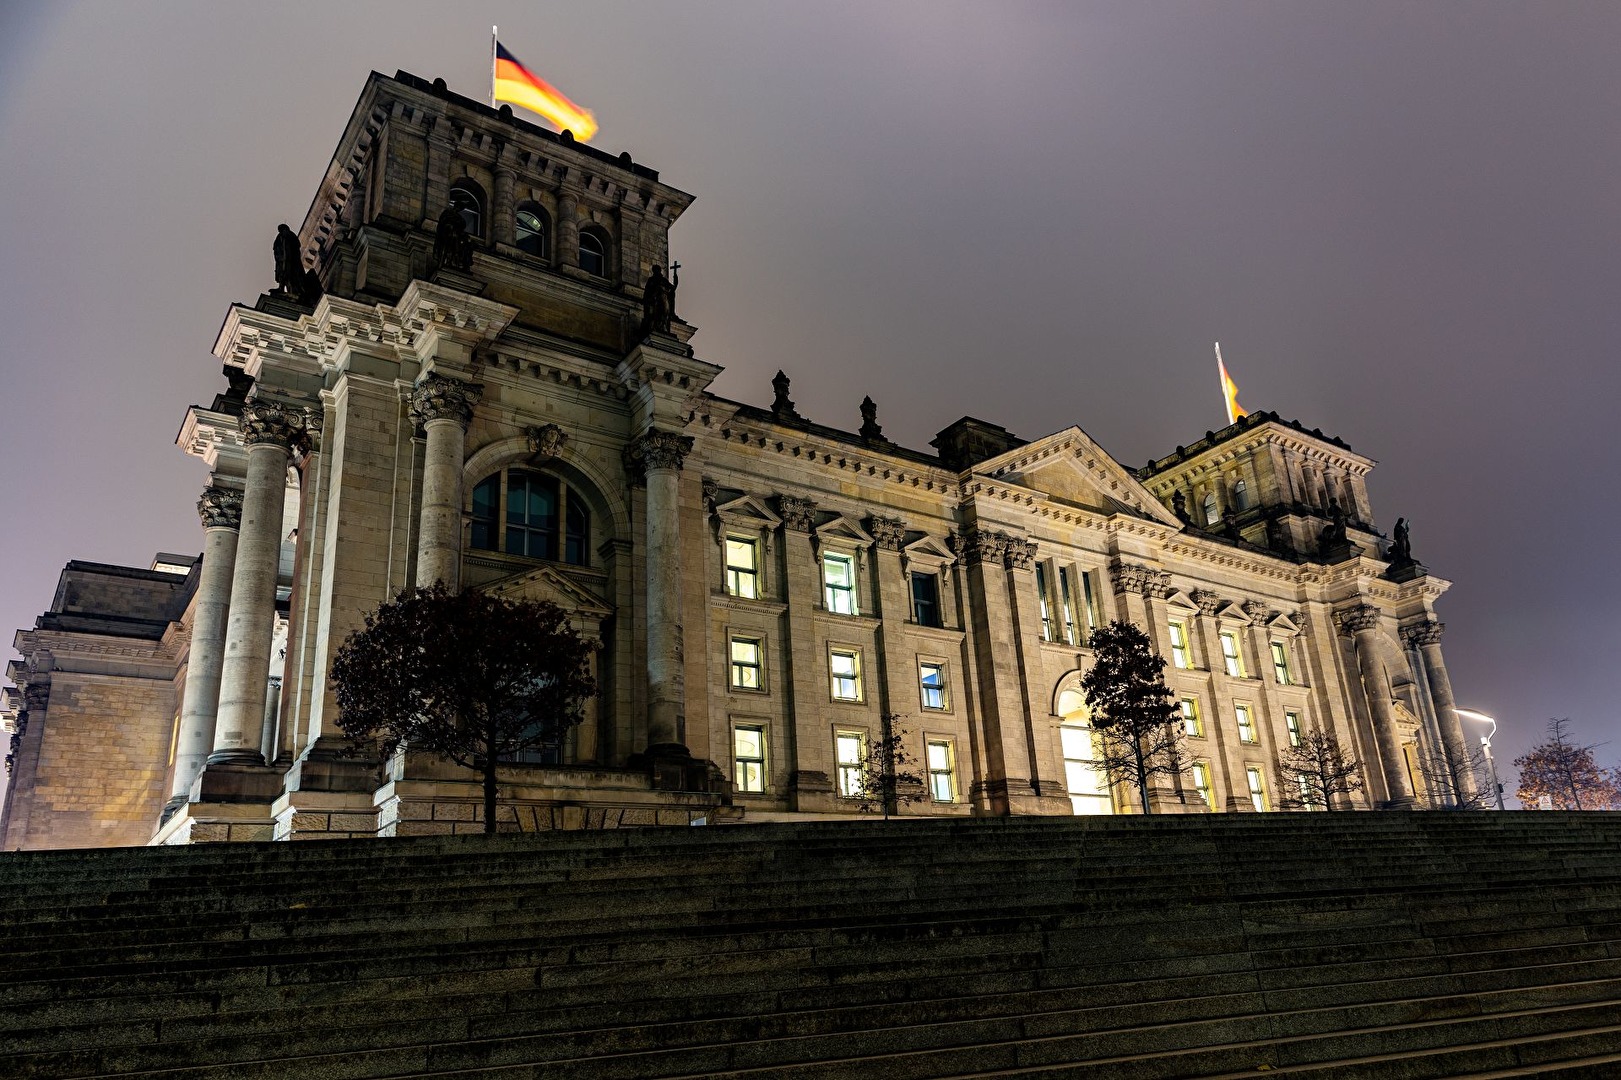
{"x":1400,"y":220}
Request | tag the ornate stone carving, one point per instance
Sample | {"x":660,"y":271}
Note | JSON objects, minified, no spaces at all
{"x":659,"y":450}
{"x":1208,"y":602}
{"x":545,"y":442}
{"x":869,"y":421}
{"x":1151,"y":582}
{"x":36,"y":696}
{"x":888,"y":531}
{"x":1356,"y":620}
{"x":438,"y":397}
{"x":268,"y":422}
{"x":782,"y":406}
{"x":1421,"y":634}
{"x":711,"y":490}
{"x":1019,"y":554}
{"x":977,"y":545}
{"x":220,"y":507}
{"x":1258,"y":612}
{"x":796,"y":513}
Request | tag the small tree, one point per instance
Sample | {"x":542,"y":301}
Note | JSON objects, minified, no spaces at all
{"x":1451,"y":780}
{"x":1317,"y":771}
{"x":887,"y":779}
{"x":1566,"y":773}
{"x":1138,"y":726}
{"x":467,"y":676}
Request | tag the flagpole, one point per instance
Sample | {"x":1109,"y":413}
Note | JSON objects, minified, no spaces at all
{"x":495,"y":37}
{"x":1221,"y":377}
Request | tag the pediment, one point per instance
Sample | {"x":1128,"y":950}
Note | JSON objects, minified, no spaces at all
{"x":550,"y":584}
{"x":1179,"y":601}
{"x":1069,"y":467}
{"x":1282,"y":621}
{"x":929,"y":547}
{"x":843,"y":528}
{"x":1231,"y":610}
{"x":748,"y":510}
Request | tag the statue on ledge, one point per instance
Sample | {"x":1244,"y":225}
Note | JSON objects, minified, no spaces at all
{"x":658,"y":300}
{"x":292,"y":280}
{"x":1333,"y":533}
{"x":782,"y":406}
{"x":869,"y":421}
{"x":452,"y":246}
{"x":1401,"y":544}
{"x":1179,"y":505}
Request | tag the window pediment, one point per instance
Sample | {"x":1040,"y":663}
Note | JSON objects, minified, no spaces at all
{"x":927,"y":553}
{"x":551,"y":584}
{"x":843,"y":531}
{"x":746,"y":512}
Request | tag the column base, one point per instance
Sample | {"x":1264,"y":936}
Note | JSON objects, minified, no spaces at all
{"x":811,"y":791}
{"x":1018,"y":797}
{"x":216,"y":823}
{"x":325,"y":815}
{"x":1406,"y":802}
{"x":237,"y":783}
{"x":242,"y":756}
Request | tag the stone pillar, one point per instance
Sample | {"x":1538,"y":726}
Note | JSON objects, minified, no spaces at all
{"x":443,"y":407}
{"x":267,"y":734}
{"x":1426,"y":637}
{"x":221,"y":511}
{"x":893,"y":597}
{"x":811,"y":784}
{"x":659,"y":455}
{"x":1041,"y":743}
{"x":1362,"y":623}
{"x":268,"y":431}
{"x":1006,"y":788}
{"x":568,"y":231}
{"x":503,"y":213}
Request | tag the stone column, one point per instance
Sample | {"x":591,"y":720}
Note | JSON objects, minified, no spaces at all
{"x":1006,"y":788}
{"x":503,"y":223}
{"x":1362,"y":623}
{"x":1426,"y":637}
{"x":659,"y":455}
{"x":893,"y":596}
{"x":269,"y":431}
{"x":567,"y":251}
{"x":221,"y":511}
{"x":443,"y":407}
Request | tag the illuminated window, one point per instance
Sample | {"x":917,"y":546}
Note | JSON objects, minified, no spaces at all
{"x":1252,"y":773}
{"x":1280,"y":663}
{"x":850,"y":751}
{"x":748,"y":754}
{"x":593,"y":255}
{"x":1092,"y":617}
{"x":543,"y":519}
{"x":845,"y":665}
{"x":1041,"y":602}
{"x":1190,"y":717}
{"x":467,"y":198}
{"x":533,"y":231}
{"x":942,"y":786}
{"x":926,"y":599}
{"x":1230,"y":657}
{"x":1308,"y":796}
{"x":1066,"y":598}
{"x":1291,"y":720}
{"x":1201,"y":783}
{"x":1179,"y":645}
{"x":1211,"y":513}
{"x":1088,"y":788}
{"x":746,"y":667}
{"x":933,"y":679}
{"x":839,"y":584}
{"x":742,"y":568}
{"x":1246,"y":723}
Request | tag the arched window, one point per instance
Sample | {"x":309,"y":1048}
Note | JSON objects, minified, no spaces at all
{"x":468,"y":200}
{"x":1211,"y":513}
{"x":533,"y":515}
{"x":593,"y":254}
{"x":1241,"y":496}
{"x":534,"y":230}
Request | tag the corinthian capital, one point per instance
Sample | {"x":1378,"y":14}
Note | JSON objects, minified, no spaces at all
{"x":979,"y":546}
{"x":888,"y":531}
{"x":1421,"y":634}
{"x":439,"y":397}
{"x":1360,"y":618}
{"x":220,"y":507}
{"x":796,"y":513}
{"x":268,"y":422}
{"x":1150,"y":581}
{"x":660,"y":450}
{"x":1019,"y":554}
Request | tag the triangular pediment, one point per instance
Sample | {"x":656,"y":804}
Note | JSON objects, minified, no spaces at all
{"x":1230,"y":610}
{"x":550,"y":584}
{"x":929,"y":547}
{"x":1285,"y":623}
{"x":748,"y":509}
{"x":843,"y":527}
{"x":1181,"y":603}
{"x":1069,"y":467}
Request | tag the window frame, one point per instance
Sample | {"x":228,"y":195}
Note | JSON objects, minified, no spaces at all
{"x":545,"y":230}
{"x":1282,"y":670}
{"x":933,"y":576}
{"x":949,"y":772}
{"x":569,"y":502}
{"x":1192,"y":720}
{"x":739,"y":761}
{"x":1043,"y":603}
{"x":944,"y":688}
{"x":1232,"y":662}
{"x":1066,"y":605}
{"x":1206,"y":791}
{"x":854,"y":653}
{"x":735,"y":668}
{"x":603,"y":245}
{"x":735,"y":573}
{"x":1255,"y":781}
{"x":848,"y":775}
{"x":1291,"y":724}
{"x":1181,"y":655}
{"x":466,"y":185}
{"x":1244,"y":715}
{"x":851,"y":591}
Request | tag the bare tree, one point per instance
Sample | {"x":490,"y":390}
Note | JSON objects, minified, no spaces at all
{"x":1452,"y":780}
{"x":1317,"y":772}
{"x":887,"y":779}
{"x":1138,"y":727}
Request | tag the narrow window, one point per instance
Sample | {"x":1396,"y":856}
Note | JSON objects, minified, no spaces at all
{"x":1190,"y":717}
{"x":1241,"y":496}
{"x":942,"y":788}
{"x":531,"y":230}
{"x":1211,"y":513}
{"x":1291,"y":720}
{"x":1280,"y":663}
{"x":576,"y":530}
{"x":748,"y":751}
{"x":839,"y":580}
{"x":1308,"y":797}
{"x":487,"y":514}
{"x":926,"y":599}
{"x":1041,"y":602}
{"x":1230,"y":657}
{"x":1246,"y":723}
{"x":746,"y":664}
{"x":531,"y":516}
{"x":1088,"y":793}
{"x":1092,"y":616}
{"x":1066,"y":597}
{"x":1201,"y":783}
{"x":845,"y":666}
{"x":593,"y":257}
{"x":1252,"y":773}
{"x":849,"y":750}
{"x":742,"y":568}
{"x":933,"y":679}
{"x":1179,"y":646}
{"x":468,"y":201}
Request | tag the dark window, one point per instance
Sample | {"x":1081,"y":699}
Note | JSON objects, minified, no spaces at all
{"x":531,"y":516}
{"x":925,"y":599}
{"x":533,"y":234}
{"x":469,"y":203}
{"x":487,"y":513}
{"x":593,"y":257}
{"x":576,"y":533}
{"x":544,"y":519}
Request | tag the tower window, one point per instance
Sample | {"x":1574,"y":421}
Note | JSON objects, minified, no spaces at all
{"x":533,"y":231}
{"x":468,"y":201}
{"x":593,"y":255}
{"x":1241,"y":496}
{"x":543,"y":518}
{"x":1212,"y":513}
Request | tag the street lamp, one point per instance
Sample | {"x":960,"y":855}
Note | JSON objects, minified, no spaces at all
{"x":1486,"y":742}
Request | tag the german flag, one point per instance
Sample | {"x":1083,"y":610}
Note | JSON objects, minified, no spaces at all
{"x":514,"y":83}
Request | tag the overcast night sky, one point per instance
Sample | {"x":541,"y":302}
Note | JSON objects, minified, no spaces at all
{"x":1401,"y":221}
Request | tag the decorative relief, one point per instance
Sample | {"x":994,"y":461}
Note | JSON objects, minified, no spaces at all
{"x":1208,"y":602}
{"x":658,"y":450}
{"x":1151,"y":582}
{"x":1421,"y":634}
{"x":797,"y":514}
{"x":1019,"y":554}
{"x":887,"y":531}
{"x":438,"y":397}
{"x":976,"y":546}
{"x":219,"y":507}
{"x":711,"y":489}
{"x":1358,"y":619}
{"x":545,"y":442}
{"x":267,"y":422}
{"x":1258,"y":612}
{"x":36,"y":696}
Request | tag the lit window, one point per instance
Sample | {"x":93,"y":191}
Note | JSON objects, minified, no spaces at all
{"x":1092,"y":617}
{"x":1308,"y":796}
{"x":942,"y":788}
{"x":746,"y":664}
{"x":1179,"y":645}
{"x":544,"y":519}
{"x":1211,"y":513}
{"x":846,"y":668}
{"x":748,"y":751}
{"x":925,"y":599}
{"x":593,"y":255}
{"x":839,"y":581}
{"x":1229,"y":656}
{"x":1201,"y":783}
{"x":742,"y":568}
{"x":532,"y":230}
{"x":933,"y":678}
{"x":1246,"y":723}
{"x":1292,"y":721}
{"x":1088,"y":790}
{"x":1041,"y":602}
{"x":1065,"y":597}
{"x":468,"y":201}
{"x":1241,"y":496}
{"x":1252,"y":773}
{"x":850,"y":752}
{"x":1280,"y":663}
{"x":1190,"y":717}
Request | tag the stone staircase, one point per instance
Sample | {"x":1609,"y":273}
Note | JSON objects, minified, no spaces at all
{"x":1324,"y":945}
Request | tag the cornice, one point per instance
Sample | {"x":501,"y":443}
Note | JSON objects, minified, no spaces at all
{"x":812,"y":449}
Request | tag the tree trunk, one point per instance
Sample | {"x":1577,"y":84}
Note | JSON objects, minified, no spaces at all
{"x":489,"y":793}
{"x":1142,"y":773}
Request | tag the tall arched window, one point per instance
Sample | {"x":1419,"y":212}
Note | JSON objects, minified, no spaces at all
{"x":593,"y":254}
{"x":533,"y":230}
{"x":468,"y":200}
{"x":1241,"y":496}
{"x":1212,"y":513}
{"x":533,"y":515}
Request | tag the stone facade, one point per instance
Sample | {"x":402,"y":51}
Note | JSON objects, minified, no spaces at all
{"x":766,"y":589}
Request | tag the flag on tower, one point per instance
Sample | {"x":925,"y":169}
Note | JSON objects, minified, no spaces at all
{"x":512,"y":82}
{"x":1229,"y":389}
